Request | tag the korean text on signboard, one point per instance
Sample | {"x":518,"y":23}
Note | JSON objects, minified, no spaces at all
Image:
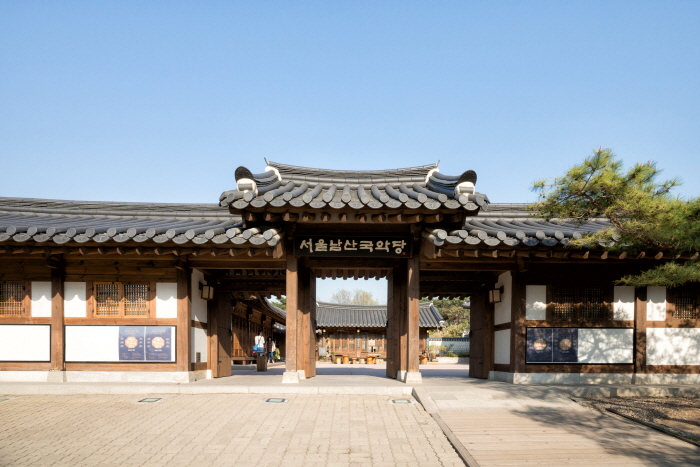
{"x":375,"y":247}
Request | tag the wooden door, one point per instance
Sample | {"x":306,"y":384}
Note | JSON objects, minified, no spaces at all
{"x":225,"y":345}
{"x":477,"y":340}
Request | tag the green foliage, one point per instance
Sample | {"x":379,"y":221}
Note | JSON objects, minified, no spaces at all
{"x":642,"y":212}
{"x":356,"y":297}
{"x":281,"y":302}
{"x":456,"y":317}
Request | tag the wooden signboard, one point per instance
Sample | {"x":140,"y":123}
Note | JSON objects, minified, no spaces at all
{"x":328,"y":246}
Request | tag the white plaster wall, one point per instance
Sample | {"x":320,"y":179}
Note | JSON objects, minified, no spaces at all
{"x":536,"y":302}
{"x":74,"y":300}
{"x":41,"y":299}
{"x":25,"y":342}
{"x":92,"y":343}
{"x":199,"y":305}
{"x":166,"y":300}
{"x":606,"y":345}
{"x":501,"y":311}
{"x":501,"y":344}
{"x":656,"y":303}
{"x":623,"y":307}
{"x":199,"y":343}
{"x":673,"y":346}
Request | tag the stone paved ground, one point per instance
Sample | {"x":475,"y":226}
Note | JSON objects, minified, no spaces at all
{"x":219,"y":430}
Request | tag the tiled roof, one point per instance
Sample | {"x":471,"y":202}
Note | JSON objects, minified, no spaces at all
{"x":60,"y":222}
{"x":333,"y":315}
{"x":411,"y":188}
{"x":511,"y":225}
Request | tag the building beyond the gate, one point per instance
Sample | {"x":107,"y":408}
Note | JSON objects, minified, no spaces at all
{"x":175,"y":292}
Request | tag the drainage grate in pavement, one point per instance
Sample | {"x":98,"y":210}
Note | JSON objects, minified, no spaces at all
{"x":3,"y":400}
{"x":400,"y":401}
{"x":276,"y":400}
{"x":149,"y":400}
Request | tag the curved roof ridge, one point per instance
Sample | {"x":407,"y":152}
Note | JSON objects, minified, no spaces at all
{"x":349,"y":306}
{"x":286,"y":169}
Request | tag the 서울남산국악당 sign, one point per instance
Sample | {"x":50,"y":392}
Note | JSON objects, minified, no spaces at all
{"x":339,"y":245}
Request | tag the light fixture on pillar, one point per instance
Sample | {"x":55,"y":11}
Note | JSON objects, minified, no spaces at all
{"x":495,"y":295}
{"x":207,"y":291}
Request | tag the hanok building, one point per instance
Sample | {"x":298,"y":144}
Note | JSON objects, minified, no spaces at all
{"x":162,"y":292}
{"x":359,"y":331}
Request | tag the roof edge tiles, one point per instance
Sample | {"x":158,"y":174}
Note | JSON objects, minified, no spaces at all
{"x":421,"y":188}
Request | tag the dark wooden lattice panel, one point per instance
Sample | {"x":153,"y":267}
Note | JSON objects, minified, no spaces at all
{"x":135,"y":300}
{"x":107,"y":299}
{"x":11,"y":296}
{"x":563,"y":303}
{"x":685,"y":302}
{"x":593,"y":304}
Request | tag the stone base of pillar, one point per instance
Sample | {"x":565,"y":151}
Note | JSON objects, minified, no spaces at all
{"x":400,"y":375}
{"x":290,"y":377}
{"x":413,"y":377}
{"x":302,"y":374}
{"x":56,"y":376}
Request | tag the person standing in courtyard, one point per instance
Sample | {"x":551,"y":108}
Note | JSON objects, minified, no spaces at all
{"x":260,"y":343}
{"x":271,"y":347}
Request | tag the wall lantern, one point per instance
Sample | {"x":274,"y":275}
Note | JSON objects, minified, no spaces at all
{"x":495,"y":295}
{"x":358,"y":330}
{"x":207,"y":291}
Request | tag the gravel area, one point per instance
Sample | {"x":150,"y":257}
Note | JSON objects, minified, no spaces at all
{"x":681,"y":414}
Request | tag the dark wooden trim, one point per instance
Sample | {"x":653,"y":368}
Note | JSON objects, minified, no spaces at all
{"x":19,"y":320}
{"x":489,"y":350}
{"x":501,"y":327}
{"x":292,"y":313}
{"x":122,"y":321}
{"x":578,"y":368}
{"x":674,"y":324}
{"x":25,"y":366}
{"x":578,"y":324}
{"x":201,"y":366}
{"x":501,"y":367}
{"x":518,"y":332}
{"x":57,"y":320}
{"x":413,"y":308}
{"x":110,"y":366}
{"x":184,"y":317}
{"x":198,"y":324}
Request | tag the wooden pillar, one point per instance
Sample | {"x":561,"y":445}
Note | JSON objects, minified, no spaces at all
{"x":304,"y":329}
{"x":184,"y":320}
{"x":290,"y":345}
{"x":213,"y":332}
{"x":58,"y":362}
{"x":311,"y":368}
{"x":518,"y":330}
{"x":401,"y":313}
{"x":391,"y":329}
{"x":412,"y":319}
{"x":640,"y":332}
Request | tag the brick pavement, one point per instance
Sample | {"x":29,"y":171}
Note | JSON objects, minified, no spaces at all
{"x":219,"y":430}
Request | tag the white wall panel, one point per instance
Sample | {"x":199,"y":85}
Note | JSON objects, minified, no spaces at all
{"x":199,"y":343}
{"x":673,"y":346}
{"x":656,"y":303}
{"x":41,"y":299}
{"x":25,"y":342}
{"x":92,"y":343}
{"x":502,"y":310}
{"x":501,"y":343}
{"x":166,"y":300}
{"x":74,"y":300}
{"x":605,"y":345}
{"x":536,"y":302}
{"x":199,"y":305}
{"x":623,"y":303}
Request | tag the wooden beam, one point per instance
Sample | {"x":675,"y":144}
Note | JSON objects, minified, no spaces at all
{"x":623,"y":255}
{"x":343,"y":217}
{"x":250,"y":217}
{"x":604,"y":255}
{"x":292,"y":280}
{"x":325,"y":217}
{"x":379,"y":218}
{"x":659,"y":255}
{"x":412,"y":218}
{"x":233,"y":252}
{"x":184,"y":318}
{"x":396,"y":218}
{"x":308,"y":217}
{"x":641,"y":255}
{"x":361,"y":218}
{"x":290,"y":217}
{"x":433,"y":218}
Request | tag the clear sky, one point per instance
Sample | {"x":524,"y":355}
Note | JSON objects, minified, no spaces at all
{"x":161,"y":101}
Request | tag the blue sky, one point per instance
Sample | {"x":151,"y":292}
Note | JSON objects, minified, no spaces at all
{"x":161,"y":101}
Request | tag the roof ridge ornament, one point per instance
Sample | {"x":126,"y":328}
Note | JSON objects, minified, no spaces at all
{"x":465,"y":183}
{"x":245,"y":181}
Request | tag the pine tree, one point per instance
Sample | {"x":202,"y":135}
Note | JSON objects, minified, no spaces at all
{"x":643,"y":215}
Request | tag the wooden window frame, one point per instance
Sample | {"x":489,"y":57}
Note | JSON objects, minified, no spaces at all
{"x":26,"y":300}
{"x":608,"y":301}
{"x":671,"y":306}
{"x":150,"y":302}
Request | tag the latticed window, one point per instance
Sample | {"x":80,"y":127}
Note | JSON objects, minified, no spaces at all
{"x":11,"y":299}
{"x":685,"y":303}
{"x":120,"y":300}
{"x":583,"y":303}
